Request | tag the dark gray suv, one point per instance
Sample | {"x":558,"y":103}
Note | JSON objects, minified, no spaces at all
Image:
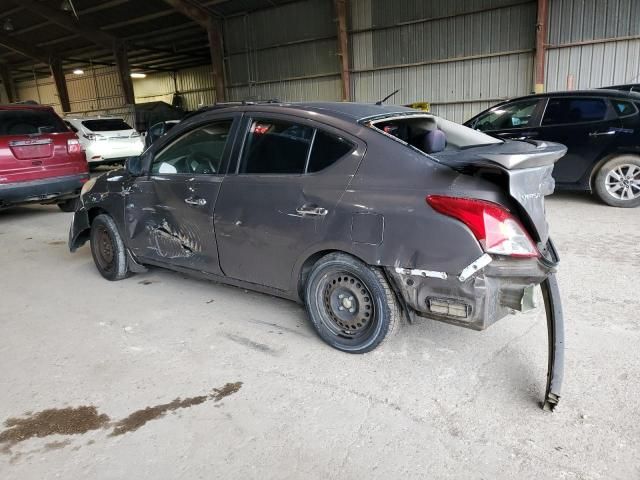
{"x":365,"y":213}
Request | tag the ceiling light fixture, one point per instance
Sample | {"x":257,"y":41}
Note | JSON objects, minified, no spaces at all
{"x":78,"y":71}
{"x":8,"y":25}
{"x":138,"y":75}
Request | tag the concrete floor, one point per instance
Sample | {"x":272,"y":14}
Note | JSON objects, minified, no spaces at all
{"x":434,"y":402}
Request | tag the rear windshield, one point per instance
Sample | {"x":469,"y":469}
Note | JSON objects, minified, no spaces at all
{"x":106,"y":125}
{"x":28,"y":122}
{"x":412,"y":129}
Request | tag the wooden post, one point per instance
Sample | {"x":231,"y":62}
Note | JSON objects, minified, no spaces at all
{"x":214,"y":32}
{"x":61,"y":84}
{"x":7,"y":83}
{"x":124,"y":72}
{"x":541,"y":38}
{"x":343,"y":48}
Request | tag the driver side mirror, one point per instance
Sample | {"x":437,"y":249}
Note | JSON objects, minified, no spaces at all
{"x":135,"y":166}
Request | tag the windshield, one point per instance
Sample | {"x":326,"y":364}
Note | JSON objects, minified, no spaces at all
{"x":29,"y":122}
{"x":106,"y":125}
{"x":413,"y":129}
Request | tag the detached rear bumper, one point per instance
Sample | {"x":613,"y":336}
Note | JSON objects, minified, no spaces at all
{"x":475,"y":298}
{"x":45,"y":190}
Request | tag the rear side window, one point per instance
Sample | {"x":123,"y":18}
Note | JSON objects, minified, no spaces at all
{"x":106,"y":125}
{"x":276,"y":146}
{"x":624,"y":108}
{"x":327,"y":149}
{"x":574,"y":110}
{"x":28,"y":122}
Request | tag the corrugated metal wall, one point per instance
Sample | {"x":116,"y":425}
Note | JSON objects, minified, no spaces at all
{"x":593,"y":43}
{"x":460,"y":56}
{"x":195,"y":85}
{"x":288,"y":52}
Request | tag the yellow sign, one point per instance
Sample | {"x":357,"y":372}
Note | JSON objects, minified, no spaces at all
{"x":424,"y":106}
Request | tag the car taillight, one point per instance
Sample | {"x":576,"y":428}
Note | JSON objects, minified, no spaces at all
{"x":92,"y":137}
{"x":496,"y":229}
{"x":134,"y":135}
{"x":73,"y":146}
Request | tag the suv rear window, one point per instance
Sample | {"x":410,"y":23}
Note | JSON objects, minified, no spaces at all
{"x":27,"y":122}
{"x":106,"y":125}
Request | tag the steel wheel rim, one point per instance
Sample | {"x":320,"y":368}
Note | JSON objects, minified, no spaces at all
{"x":623,"y":182}
{"x":348,"y":307}
{"x":104,"y":249}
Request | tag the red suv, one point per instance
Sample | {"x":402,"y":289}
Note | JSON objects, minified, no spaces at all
{"x":41,"y":160}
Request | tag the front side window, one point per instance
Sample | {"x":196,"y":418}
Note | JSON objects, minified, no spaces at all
{"x":515,"y":115}
{"x":561,"y":111}
{"x":276,"y":147}
{"x":199,"y":151}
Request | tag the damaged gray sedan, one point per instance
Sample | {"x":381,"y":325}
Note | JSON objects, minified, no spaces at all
{"x":367,"y":214}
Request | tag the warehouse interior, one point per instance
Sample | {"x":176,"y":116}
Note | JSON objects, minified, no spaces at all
{"x":460,"y":56}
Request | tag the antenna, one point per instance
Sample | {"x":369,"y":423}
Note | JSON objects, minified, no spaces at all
{"x":387,"y":97}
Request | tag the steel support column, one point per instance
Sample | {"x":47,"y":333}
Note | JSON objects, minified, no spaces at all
{"x":541,"y":39}
{"x":124,"y":73}
{"x":343,"y":48}
{"x":61,"y":84}
{"x":214,"y":32}
{"x":7,"y":83}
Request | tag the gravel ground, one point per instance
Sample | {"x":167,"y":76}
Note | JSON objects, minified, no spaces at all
{"x":161,"y":376}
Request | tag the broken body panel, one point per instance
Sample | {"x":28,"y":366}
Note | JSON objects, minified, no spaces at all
{"x":249,"y":230}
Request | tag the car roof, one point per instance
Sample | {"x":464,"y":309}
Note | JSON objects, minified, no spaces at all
{"x":349,"y":111}
{"x":582,"y":93}
{"x":95,"y":117}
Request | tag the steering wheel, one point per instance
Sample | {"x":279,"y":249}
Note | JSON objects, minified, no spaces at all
{"x":204,"y":163}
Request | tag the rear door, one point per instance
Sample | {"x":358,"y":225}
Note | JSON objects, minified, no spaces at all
{"x":169,"y":214}
{"x":282,"y":196}
{"x":587,"y":126}
{"x":34,"y":144}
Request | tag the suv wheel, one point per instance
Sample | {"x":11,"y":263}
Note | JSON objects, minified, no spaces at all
{"x":618,"y":181}
{"x":107,"y":248}
{"x":350,"y":304}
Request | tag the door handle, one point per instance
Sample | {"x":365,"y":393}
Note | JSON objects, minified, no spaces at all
{"x":600,"y":134}
{"x":312,"y":210}
{"x":196,"y":202}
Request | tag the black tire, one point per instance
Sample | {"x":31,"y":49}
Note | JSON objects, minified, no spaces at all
{"x":350,"y":304}
{"x":107,"y":248}
{"x":617,"y":183}
{"x":68,"y":205}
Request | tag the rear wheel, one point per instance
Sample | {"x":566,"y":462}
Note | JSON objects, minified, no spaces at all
{"x":68,"y":205}
{"x":618,"y":181}
{"x":107,"y":248}
{"x":350,"y":304}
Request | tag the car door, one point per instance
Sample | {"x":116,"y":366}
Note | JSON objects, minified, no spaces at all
{"x":282,"y":196}
{"x":517,"y":120}
{"x":587,"y":126}
{"x":169,"y":212}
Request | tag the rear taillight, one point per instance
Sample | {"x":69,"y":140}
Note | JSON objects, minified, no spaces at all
{"x":496,"y":229}
{"x":92,"y":137}
{"x":73,"y":146}
{"x":134,"y":135}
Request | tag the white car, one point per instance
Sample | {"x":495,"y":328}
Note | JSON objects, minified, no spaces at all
{"x":106,"y":139}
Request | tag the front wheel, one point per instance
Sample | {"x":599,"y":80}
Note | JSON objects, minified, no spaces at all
{"x":618,"y":181}
{"x":350,"y":304}
{"x":107,"y":248}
